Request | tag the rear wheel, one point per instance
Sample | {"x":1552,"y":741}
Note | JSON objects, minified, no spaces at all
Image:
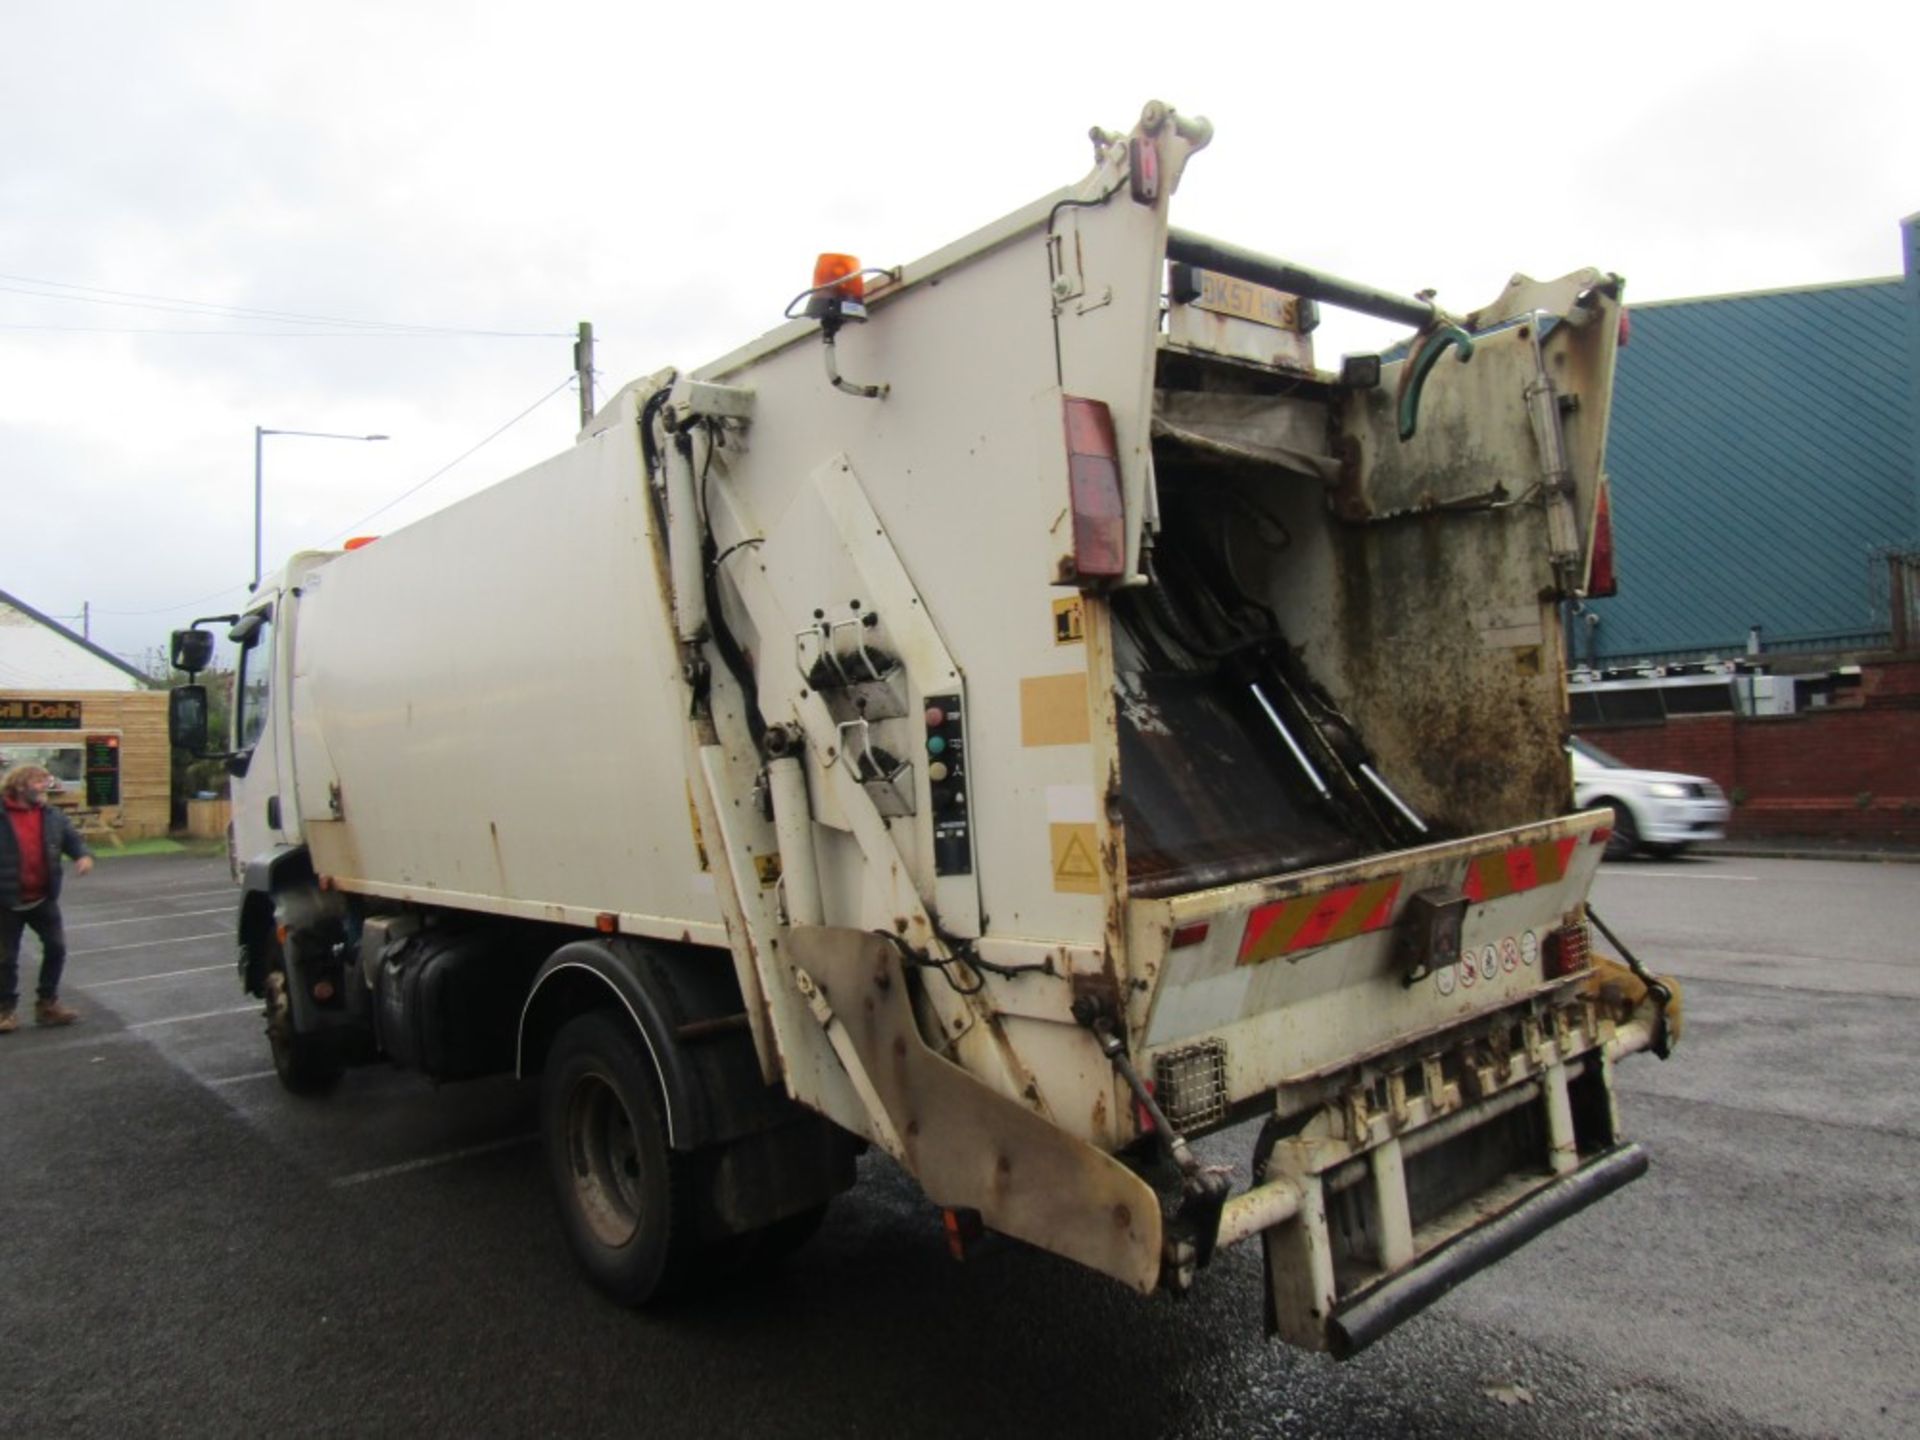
{"x":624,"y":1195}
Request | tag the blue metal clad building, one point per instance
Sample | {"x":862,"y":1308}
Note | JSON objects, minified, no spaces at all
{"x":1765,"y":456}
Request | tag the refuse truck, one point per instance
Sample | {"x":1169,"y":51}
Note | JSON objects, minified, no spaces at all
{"x":1020,"y":714}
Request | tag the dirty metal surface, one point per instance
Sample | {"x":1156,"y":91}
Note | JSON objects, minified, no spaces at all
{"x":1206,"y":802}
{"x":966,"y":1145}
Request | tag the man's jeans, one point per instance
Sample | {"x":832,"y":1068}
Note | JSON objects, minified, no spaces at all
{"x":44,"y":920}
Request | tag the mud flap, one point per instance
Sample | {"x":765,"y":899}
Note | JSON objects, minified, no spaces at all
{"x":968,"y":1146}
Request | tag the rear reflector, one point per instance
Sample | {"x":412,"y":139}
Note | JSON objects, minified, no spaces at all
{"x":964,"y":1228}
{"x":1188,"y":935}
{"x":1093,"y":477}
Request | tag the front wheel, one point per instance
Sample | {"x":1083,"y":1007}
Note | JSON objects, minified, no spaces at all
{"x":306,"y":1064}
{"x":624,"y":1195}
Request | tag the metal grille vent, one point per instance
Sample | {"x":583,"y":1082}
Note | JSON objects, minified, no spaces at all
{"x":1191,"y":1084}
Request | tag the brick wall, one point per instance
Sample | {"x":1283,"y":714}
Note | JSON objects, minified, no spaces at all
{"x":1848,"y":771}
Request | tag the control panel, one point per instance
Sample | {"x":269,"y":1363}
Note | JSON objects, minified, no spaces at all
{"x":947,"y":786}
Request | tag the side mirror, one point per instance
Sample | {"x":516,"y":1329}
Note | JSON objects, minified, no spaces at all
{"x":192,"y":651}
{"x":187,"y":712}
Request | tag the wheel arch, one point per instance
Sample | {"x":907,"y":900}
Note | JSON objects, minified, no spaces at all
{"x":265,"y":875}
{"x":711,"y":1085}
{"x":1627,"y":829}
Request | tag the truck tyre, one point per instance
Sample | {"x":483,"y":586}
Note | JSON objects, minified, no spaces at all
{"x":624,"y":1196}
{"x":308,"y":1065}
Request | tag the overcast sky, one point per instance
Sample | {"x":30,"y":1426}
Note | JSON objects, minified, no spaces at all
{"x":669,"y":173}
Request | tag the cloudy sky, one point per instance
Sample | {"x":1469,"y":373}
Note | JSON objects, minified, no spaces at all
{"x":388,"y":217}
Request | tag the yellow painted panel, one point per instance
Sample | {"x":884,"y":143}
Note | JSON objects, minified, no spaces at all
{"x":1053,"y":710}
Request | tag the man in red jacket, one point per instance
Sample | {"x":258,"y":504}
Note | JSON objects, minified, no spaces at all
{"x":33,"y":839}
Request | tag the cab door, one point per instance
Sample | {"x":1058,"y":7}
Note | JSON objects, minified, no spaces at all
{"x":261,"y":804}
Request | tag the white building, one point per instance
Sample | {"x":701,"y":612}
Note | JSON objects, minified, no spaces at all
{"x":39,"y":653}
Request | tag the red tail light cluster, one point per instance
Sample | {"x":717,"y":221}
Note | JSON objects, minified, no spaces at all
{"x":1600,"y":578}
{"x":1567,"y":951}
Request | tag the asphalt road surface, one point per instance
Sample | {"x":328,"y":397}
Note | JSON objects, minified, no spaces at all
{"x":190,"y":1251}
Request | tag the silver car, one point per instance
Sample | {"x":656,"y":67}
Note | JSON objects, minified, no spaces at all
{"x":1653,"y":810}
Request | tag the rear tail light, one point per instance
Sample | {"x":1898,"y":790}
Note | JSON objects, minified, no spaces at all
{"x":1600,"y":581}
{"x":1093,"y":477}
{"x":1567,"y":951}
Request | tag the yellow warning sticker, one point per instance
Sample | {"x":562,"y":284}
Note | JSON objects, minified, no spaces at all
{"x":1076,"y":859}
{"x":1069,"y":622}
{"x":1053,"y":710}
{"x":767,"y":867}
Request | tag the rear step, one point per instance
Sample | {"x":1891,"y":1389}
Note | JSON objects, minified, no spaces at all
{"x":1367,"y":1316}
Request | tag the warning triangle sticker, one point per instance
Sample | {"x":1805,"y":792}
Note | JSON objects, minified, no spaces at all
{"x":1075,"y":863}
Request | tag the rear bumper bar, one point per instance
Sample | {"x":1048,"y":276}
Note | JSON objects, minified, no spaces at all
{"x":1366,"y":1317}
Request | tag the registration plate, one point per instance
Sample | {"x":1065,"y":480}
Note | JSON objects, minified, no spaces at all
{"x":1224,"y":295}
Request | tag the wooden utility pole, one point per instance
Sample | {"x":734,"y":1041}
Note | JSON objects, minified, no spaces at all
{"x":583,"y":370}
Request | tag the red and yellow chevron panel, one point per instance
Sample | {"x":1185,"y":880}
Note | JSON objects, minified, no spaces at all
{"x":1285,"y":927}
{"x":1509,"y":872}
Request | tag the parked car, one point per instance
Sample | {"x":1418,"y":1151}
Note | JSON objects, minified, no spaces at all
{"x":1653,"y":810}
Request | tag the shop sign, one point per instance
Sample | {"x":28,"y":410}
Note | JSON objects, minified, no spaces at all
{"x":39,"y":714}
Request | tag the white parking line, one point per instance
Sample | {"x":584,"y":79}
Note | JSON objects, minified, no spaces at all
{"x":203,"y":1015}
{"x":427,"y":1162}
{"x":243,"y":1079}
{"x":231,"y":891}
{"x":1670,"y":875}
{"x":152,"y":944}
{"x":143,"y":919}
{"x":163,"y":975}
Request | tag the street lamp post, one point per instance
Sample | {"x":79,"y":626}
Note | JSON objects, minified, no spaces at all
{"x":260,"y":433}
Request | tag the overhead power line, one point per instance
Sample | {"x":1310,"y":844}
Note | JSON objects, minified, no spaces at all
{"x":349,"y":529}
{"x":290,"y":334}
{"x":478,"y":445}
{"x":139,"y":300}
{"x":175,"y":609}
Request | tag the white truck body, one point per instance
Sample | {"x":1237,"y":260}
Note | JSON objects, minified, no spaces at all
{"x":1003,"y":842}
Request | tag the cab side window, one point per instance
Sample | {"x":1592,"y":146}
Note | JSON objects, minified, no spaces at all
{"x":252,"y":680}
